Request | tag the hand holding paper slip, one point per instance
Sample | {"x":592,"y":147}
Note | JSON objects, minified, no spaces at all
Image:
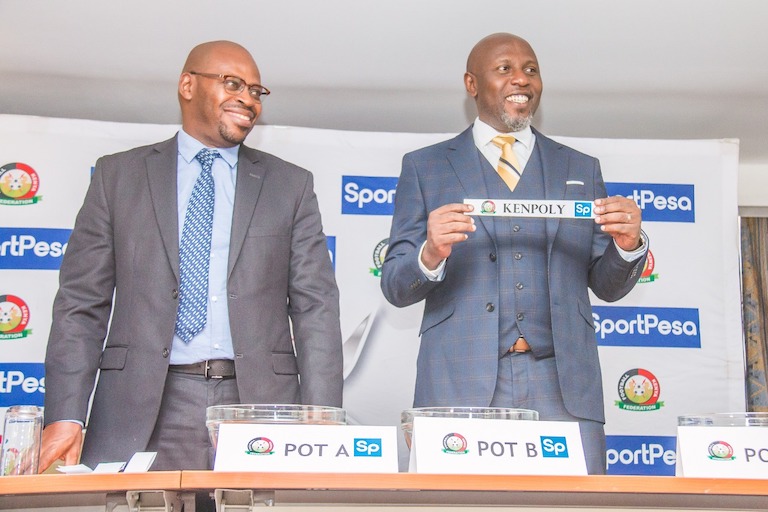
{"x":531,"y":208}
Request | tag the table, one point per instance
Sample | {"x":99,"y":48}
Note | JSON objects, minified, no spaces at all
{"x":319,"y":492}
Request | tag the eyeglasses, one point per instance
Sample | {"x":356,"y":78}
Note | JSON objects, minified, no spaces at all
{"x":235,"y":85}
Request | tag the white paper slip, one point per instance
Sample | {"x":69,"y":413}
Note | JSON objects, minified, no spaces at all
{"x":74,"y":469}
{"x":140,"y":462}
{"x":109,"y":467}
{"x":531,"y":208}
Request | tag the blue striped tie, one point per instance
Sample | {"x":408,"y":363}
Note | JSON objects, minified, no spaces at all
{"x":195,"y":252}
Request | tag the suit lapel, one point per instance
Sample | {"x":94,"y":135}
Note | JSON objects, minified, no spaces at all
{"x":464,"y":157}
{"x":554,"y":166}
{"x":162,"y":179}
{"x":250,"y":178}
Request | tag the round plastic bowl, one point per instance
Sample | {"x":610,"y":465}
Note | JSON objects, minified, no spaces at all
{"x":487,"y":413}
{"x":724,"y":419}
{"x":271,"y":413}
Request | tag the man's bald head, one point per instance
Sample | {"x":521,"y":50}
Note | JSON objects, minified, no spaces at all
{"x":210,"y":113}
{"x":503,"y":78}
{"x":206,"y":54}
{"x":489,"y":43}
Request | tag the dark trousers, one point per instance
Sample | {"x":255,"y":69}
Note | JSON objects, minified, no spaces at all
{"x":527,"y":383}
{"x":180,"y":437}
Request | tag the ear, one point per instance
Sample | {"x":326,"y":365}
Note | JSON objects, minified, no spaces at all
{"x":470,"y":84}
{"x":185,"y":86}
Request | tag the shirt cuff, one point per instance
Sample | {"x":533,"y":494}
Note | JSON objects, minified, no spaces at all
{"x":432,"y":275}
{"x":633,"y":255}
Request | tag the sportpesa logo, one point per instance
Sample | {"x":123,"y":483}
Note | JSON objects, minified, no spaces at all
{"x":32,"y":248}
{"x":22,"y":384}
{"x":658,"y":201}
{"x":368,"y":195}
{"x":646,"y":327}
{"x":19,"y":184}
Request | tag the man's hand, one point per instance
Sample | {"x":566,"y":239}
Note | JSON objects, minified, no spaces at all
{"x":61,"y":441}
{"x":620,"y":217}
{"x":446,"y":226}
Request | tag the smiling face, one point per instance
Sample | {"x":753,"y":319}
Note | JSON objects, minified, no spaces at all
{"x":503,"y":77}
{"x":209,"y":113}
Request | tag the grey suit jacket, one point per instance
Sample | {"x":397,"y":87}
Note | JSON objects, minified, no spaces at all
{"x":123,"y":261}
{"x":458,"y":356}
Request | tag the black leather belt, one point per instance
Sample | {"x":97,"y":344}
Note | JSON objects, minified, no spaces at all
{"x":210,"y":369}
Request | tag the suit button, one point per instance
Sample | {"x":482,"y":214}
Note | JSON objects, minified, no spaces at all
{"x":520,"y":316}
{"x":166,"y":352}
{"x":490,"y":307}
{"x":175,"y":293}
{"x":516,"y":229}
{"x":518,"y":256}
{"x":519,"y":286}
{"x":492,"y":257}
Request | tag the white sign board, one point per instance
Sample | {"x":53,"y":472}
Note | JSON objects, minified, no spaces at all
{"x":484,"y":446}
{"x":306,"y":448}
{"x":722,"y":452}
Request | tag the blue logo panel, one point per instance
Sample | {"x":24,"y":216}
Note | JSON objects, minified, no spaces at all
{"x":22,"y":384}
{"x":368,"y":195}
{"x":32,"y":248}
{"x":554,"y":446}
{"x":646,"y":327}
{"x":367,"y":447}
{"x":641,"y":455}
{"x":659,"y":202}
{"x":583,"y":209}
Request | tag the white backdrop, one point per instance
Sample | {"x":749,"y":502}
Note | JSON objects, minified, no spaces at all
{"x":673,"y":346}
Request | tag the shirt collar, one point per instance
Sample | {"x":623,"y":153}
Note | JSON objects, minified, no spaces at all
{"x":189,"y":147}
{"x":483,"y":133}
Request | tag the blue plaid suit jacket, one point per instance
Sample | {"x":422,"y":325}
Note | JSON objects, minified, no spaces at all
{"x":458,"y":356}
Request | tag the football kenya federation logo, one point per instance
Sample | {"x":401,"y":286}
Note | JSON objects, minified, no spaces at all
{"x":14,"y":317}
{"x":260,"y":446}
{"x":639,"y":390}
{"x":19,"y":184}
{"x":648,"y":276}
{"x":720,"y":450}
{"x":379,"y":253}
{"x":455,"y":444}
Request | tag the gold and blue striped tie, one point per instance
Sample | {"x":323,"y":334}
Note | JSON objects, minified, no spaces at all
{"x":508,"y":168}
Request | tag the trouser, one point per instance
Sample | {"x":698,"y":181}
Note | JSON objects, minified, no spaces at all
{"x":180,"y":437}
{"x":525,"y":382}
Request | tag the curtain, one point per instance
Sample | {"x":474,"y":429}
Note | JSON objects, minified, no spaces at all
{"x":754,"y":251}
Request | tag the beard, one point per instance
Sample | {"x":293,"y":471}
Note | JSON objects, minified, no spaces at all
{"x":516,"y":124}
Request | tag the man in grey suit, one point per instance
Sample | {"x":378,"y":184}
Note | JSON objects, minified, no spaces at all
{"x":269,"y":318}
{"x":507,"y":316}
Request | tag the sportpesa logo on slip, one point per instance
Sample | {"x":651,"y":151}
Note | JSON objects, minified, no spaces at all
{"x":32,"y":248}
{"x":646,"y":327}
{"x":368,"y":195}
{"x":658,"y":201}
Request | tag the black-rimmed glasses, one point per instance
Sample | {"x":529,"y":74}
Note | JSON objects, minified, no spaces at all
{"x":235,"y":85}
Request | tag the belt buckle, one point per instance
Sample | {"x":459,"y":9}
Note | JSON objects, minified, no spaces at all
{"x":207,"y":375}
